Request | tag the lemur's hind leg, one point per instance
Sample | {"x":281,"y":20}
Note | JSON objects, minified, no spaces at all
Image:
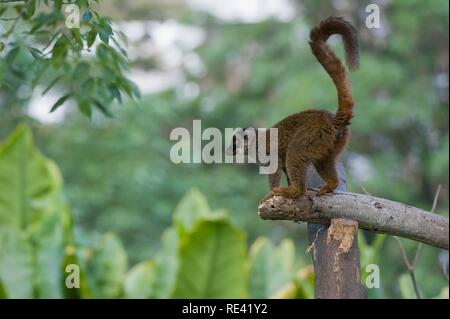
{"x":326,"y":168}
{"x":296,"y":175}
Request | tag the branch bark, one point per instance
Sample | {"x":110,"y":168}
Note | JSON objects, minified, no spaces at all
{"x":336,"y":262}
{"x":372,"y":214}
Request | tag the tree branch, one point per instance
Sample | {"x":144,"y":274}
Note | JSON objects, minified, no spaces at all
{"x":372,"y":214}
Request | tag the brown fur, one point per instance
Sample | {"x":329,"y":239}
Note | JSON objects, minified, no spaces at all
{"x":314,"y":136}
{"x":318,"y":137}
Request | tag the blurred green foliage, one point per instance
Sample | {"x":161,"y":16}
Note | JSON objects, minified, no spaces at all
{"x":118,"y":176}
{"x":203,"y":256}
{"x":33,"y":220}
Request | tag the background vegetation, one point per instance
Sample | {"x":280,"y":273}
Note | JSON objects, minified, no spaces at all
{"x":141,"y":226}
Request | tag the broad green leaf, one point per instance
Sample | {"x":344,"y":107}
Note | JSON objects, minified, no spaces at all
{"x":167,"y":264}
{"x":106,"y":268}
{"x":47,"y":237}
{"x":28,"y":181}
{"x":286,"y":253}
{"x":212,"y":262}
{"x":16,"y":263}
{"x":192,"y":208}
{"x":31,"y":205}
{"x":139,"y":281}
{"x":271,"y":268}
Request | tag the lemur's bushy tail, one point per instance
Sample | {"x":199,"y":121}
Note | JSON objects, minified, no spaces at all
{"x":332,"y":64}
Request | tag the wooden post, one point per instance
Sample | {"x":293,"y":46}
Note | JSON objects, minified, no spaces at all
{"x":335,"y":252}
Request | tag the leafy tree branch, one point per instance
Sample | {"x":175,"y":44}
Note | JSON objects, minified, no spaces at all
{"x":43,"y":46}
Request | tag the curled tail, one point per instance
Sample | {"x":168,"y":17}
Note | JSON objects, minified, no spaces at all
{"x":332,"y":64}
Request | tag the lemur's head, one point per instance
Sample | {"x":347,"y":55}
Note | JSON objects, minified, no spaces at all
{"x":243,"y":141}
{"x":254,"y":146}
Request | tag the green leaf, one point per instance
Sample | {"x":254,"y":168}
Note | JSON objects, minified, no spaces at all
{"x":87,"y":16}
{"x":139,"y":281}
{"x":47,"y":236}
{"x":167,"y":264}
{"x":192,"y":208}
{"x":85,"y":108}
{"x":60,"y":102}
{"x":81,"y":71}
{"x":58,"y":4}
{"x":103,"y":108}
{"x":89,"y":87}
{"x":135,"y":89}
{"x":271,"y":268}
{"x":91,"y":37}
{"x":33,"y":219}
{"x":104,"y":36}
{"x":16,"y":263}
{"x":35,"y":53}
{"x":212,"y":262}
{"x":52,"y":84}
{"x":28,"y":180}
{"x":11,"y":56}
{"x":76,"y":35}
{"x":60,"y":50}
{"x":106,"y":268}
{"x":115,"y":93}
{"x":29,"y":9}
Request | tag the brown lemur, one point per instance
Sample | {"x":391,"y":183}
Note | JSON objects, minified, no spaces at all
{"x":314,"y":137}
